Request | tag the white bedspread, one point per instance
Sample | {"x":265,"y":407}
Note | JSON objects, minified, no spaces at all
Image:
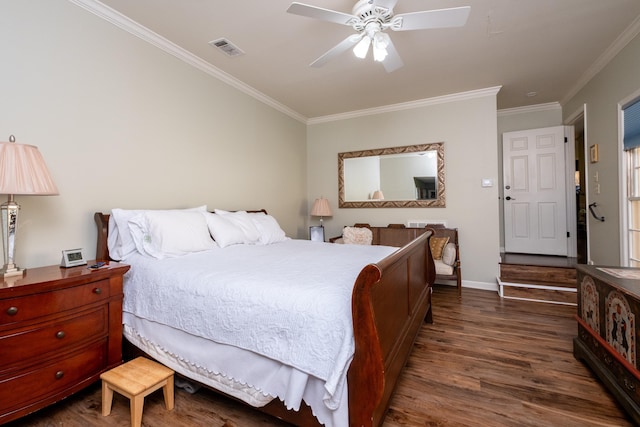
{"x":289,"y":301}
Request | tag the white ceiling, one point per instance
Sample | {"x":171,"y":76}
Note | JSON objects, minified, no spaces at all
{"x":549,"y":47}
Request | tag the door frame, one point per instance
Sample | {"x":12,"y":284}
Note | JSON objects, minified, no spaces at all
{"x":570,"y":188}
{"x":572,"y":119}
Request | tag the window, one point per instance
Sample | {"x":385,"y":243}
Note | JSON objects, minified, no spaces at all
{"x":631,"y":117}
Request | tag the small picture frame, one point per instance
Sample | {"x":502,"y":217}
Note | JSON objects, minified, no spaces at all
{"x":316,"y":233}
{"x":593,"y":153}
{"x":72,"y":258}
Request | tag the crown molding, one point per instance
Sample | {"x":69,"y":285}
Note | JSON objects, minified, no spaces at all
{"x":114,"y":17}
{"x":603,"y":60}
{"x":462,"y":96}
{"x":530,"y":109}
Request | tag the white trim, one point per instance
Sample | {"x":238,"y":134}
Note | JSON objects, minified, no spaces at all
{"x":502,"y":284}
{"x":570,"y":190}
{"x":603,"y":60}
{"x":485,"y":286}
{"x":549,"y":106}
{"x":580,"y":114}
{"x":622,"y":181}
{"x":114,"y":17}
{"x":407,"y":105}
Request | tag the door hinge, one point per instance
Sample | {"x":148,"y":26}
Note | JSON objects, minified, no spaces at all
{"x":568,"y":234}
{"x":566,"y":139}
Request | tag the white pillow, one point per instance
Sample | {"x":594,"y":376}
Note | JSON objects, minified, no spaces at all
{"x":223,"y":231}
{"x":242,"y":220}
{"x":167,"y":234}
{"x":120,"y":241}
{"x":268,"y":227}
{"x":449,"y":254}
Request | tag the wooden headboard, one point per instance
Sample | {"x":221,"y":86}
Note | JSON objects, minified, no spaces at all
{"x":102,"y":221}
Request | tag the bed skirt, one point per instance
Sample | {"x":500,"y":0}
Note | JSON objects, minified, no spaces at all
{"x":247,"y":376}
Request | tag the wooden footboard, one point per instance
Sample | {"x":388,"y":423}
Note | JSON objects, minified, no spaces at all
{"x":390,"y":301}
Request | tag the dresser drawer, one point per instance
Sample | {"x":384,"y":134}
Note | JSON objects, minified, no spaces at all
{"x":25,"y":387}
{"x":52,"y":337}
{"x":30,"y":307}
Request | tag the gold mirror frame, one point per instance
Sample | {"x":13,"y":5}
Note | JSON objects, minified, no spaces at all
{"x":438,"y":202}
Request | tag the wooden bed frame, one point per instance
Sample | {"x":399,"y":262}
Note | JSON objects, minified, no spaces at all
{"x":391,"y":300}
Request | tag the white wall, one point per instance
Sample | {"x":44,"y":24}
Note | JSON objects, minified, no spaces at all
{"x":468,"y":129}
{"x":123,"y":124}
{"x":617,"y":81}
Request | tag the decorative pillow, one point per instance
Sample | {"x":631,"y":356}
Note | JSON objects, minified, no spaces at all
{"x":242,"y":220}
{"x":437,"y":245}
{"x":167,"y":234}
{"x":449,"y":253}
{"x":268,"y":227}
{"x":223,"y":231}
{"x":120,"y":242}
{"x":357,"y":235}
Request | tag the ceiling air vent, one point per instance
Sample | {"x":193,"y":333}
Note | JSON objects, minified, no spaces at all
{"x":227,"y":47}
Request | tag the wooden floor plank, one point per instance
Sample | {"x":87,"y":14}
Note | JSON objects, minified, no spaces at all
{"x":483,"y":362}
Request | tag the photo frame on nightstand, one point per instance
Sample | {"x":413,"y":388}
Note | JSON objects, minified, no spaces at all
{"x":316,"y":233}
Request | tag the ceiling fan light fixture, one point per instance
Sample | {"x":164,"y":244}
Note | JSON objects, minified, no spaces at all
{"x":362,"y":48}
{"x":380,"y":43}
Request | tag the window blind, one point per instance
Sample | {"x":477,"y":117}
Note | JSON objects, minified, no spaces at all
{"x":632,"y":126}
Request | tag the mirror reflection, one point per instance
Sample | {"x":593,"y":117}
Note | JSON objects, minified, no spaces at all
{"x":410,"y":176}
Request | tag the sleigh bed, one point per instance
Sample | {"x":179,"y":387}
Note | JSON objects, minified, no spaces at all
{"x":390,"y":298}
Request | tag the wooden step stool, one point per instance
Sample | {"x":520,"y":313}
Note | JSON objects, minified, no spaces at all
{"x":135,"y":380}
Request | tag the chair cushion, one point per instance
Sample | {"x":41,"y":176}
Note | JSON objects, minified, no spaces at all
{"x":442,"y":268}
{"x":357,"y":236}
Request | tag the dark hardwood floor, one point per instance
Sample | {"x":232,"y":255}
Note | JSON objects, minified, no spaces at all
{"x":483,"y":362}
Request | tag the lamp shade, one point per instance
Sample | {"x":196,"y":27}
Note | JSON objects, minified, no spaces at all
{"x":377,"y":195}
{"x":23,"y":171}
{"x":321,"y":208}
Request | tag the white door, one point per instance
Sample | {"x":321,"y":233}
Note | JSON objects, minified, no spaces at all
{"x":534,"y":191}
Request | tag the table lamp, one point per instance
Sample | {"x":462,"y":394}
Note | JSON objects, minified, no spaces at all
{"x":22,"y":171}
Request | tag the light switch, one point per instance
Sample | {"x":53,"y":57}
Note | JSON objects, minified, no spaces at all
{"x":487,"y":182}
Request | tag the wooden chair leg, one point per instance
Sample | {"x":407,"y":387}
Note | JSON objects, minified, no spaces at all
{"x":107,"y":398}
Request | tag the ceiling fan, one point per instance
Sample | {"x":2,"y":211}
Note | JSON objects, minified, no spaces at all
{"x":370,"y":19}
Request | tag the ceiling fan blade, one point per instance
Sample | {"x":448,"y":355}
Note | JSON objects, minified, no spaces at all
{"x":320,"y":13}
{"x":341,"y":47}
{"x":439,"y":18}
{"x":393,"y":61}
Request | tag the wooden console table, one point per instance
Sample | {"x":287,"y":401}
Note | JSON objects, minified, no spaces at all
{"x":608,"y":304}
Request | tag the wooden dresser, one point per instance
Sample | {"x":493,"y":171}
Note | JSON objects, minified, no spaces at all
{"x":608,"y":307}
{"x":59,"y":330}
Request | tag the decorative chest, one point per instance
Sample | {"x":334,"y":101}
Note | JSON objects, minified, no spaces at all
{"x":608,"y":306}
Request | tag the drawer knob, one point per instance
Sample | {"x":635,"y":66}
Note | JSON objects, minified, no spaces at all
{"x":60,"y":335}
{"x":12,"y":311}
{"x":97,"y":291}
{"x":59,"y":374}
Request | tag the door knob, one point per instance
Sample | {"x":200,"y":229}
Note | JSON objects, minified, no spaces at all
{"x":509,"y":198}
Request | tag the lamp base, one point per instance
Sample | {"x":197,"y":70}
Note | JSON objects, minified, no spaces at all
{"x":10,"y":270}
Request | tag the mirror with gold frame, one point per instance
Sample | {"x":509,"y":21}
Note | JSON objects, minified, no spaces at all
{"x":397,"y":177}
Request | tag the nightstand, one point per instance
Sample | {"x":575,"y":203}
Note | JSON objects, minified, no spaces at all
{"x":60,"y":328}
